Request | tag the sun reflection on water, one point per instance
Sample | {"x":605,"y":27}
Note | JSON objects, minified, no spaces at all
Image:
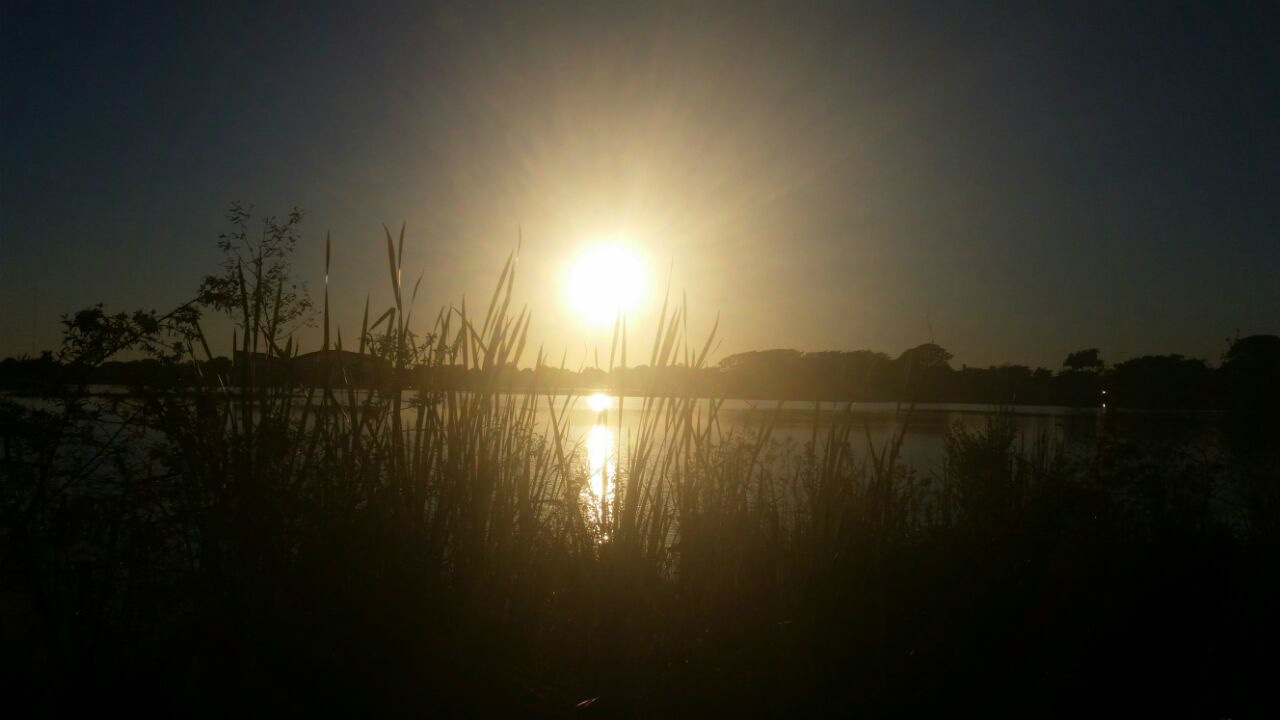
{"x":600,"y":461}
{"x":599,"y":402}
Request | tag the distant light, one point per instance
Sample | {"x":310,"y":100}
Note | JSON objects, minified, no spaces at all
{"x":1104,"y":392}
{"x":599,"y":402}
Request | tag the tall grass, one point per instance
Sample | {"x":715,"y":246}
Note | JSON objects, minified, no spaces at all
{"x":367,"y":548}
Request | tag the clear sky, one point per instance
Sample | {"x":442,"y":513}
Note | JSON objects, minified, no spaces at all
{"x":1026,"y":181}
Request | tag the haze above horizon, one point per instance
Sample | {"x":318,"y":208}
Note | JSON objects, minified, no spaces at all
{"x":1012,"y":183}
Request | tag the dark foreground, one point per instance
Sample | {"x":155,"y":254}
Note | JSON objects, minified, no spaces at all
{"x":1018,"y":581}
{"x":260,"y":547}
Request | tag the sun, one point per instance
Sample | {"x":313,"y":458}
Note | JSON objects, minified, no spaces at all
{"x":604,"y":280}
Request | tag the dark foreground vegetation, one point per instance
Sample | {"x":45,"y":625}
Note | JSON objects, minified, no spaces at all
{"x":264,"y":547}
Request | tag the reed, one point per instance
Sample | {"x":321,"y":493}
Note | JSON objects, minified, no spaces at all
{"x":351,"y":545}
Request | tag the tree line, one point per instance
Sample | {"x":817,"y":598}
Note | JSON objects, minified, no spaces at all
{"x":1248,"y":378}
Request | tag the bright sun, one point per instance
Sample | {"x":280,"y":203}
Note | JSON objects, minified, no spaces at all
{"x":604,"y":280}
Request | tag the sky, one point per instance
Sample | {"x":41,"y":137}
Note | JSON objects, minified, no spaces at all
{"x":1014,"y":182}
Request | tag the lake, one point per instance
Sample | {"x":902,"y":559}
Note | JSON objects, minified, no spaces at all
{"x":593,"y":424}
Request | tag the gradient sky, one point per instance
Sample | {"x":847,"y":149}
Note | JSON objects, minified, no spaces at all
{"x":1027,"y":181}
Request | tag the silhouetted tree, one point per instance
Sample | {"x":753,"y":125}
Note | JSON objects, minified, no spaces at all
{"x":1252,"y":370}
{"x":927,"y":357}
{"x":1080,"y":382}
{"x":763,"y":372}
{"x":923,"y":372}
{"x":256,"y":286}
{"x":1084,"y":360}
{"x":1161,"y":381}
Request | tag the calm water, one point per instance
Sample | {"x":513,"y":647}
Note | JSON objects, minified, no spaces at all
{"x":595,"y":430}
{"x":601,"y":427}
{"x":1211,"y":440}
{"x":922,"y":445}
{"x":593,"y":426}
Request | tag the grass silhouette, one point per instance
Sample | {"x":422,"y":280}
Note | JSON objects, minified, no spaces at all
{"x":254,"y":542}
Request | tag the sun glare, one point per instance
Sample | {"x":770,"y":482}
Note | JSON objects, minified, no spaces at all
{"x":598,"y":402}
{"x":604,"y":280}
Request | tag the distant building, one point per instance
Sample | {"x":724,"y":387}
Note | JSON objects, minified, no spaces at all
{"x":308,"y":369}
{"x":344,"y":367}
{"x":260,"y":367}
